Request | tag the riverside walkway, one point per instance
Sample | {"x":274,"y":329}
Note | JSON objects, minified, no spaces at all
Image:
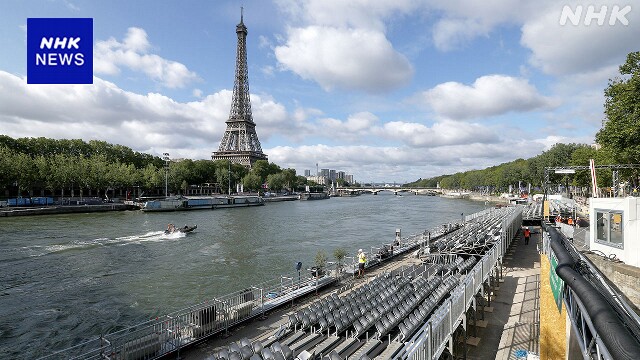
{"x":512,"y":326}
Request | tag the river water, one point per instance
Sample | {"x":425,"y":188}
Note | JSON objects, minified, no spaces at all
{"x":65,"y":279}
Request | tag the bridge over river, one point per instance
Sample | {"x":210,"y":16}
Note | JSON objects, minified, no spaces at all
{"x":395,"y":190}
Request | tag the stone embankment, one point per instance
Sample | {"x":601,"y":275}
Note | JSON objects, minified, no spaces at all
{"x":64,"y":209}
{"x":474,"y":196}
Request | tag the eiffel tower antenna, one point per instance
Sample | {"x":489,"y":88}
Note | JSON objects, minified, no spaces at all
{"x":240,"y":142}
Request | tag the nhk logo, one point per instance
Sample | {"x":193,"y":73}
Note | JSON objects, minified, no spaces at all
{"x":616,"y":14}
{"x":59,"y":51}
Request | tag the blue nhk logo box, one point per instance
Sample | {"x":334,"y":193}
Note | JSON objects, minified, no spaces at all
{"x":59,"y":51}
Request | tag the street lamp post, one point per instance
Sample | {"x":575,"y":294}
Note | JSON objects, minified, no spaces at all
{"x":229,"y":182}
{"x":166,"y":173}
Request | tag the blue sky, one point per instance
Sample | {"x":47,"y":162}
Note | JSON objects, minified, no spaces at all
{"x":385,"y":90}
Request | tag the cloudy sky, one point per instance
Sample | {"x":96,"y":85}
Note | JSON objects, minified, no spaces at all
{"x":387,"y":90}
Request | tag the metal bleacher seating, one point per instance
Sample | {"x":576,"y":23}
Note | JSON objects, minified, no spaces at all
{"x":357,"y":324}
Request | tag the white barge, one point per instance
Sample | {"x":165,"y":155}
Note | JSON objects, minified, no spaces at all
{"x":202,"y":202}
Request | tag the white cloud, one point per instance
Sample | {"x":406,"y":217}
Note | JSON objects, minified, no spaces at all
{"x":489,"y":95}
{"x":343,"y":44}
{"x":151,"y":123}
{"x":267,"y":70}
{"x":356,"y":125}
{"x":345,"y":58}
{"x":404,"y":163}
{"x":264,"y":42}
{"x":462,"y":21}
{"x":132,"y":52}
{"x":364,"y":14}
{"x":450,"y":34}
{"x":556,"y":49}
{"x":569,"y":49}
{"x":445,"y":133}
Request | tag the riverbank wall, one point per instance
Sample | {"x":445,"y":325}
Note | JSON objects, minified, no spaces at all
{"x":477,"y":197}
{"x":65,"y":209}
{"x":280,"y":198}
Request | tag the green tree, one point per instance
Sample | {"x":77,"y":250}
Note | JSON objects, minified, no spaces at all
{"x":339,"y":254}
{"x":300,"y":181}
{"x":222,"y":174}
{"x":289,"y":177}
{"x":580,"y":157}
{"x":27,"y":173}
{"x":204,"y":172}
{"x":321,"y":259}
{"x":251,"y":181}
{"x":152,"y":177}
{"x":276,"y":181}
{"x":8,"y":174}
{"x":263,"y":168}
{"x":228,"y":175}
{"x":621,"y":131}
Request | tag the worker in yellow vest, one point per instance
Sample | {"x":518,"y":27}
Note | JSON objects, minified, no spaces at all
{"x":362,"y":259}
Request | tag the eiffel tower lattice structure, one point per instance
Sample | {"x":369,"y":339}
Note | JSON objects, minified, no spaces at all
{"x":240,"y":142}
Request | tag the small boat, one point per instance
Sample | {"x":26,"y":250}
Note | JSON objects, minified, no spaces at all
{"x":185,"y":229}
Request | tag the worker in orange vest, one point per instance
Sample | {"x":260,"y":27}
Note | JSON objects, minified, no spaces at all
{"x":570,"y":221}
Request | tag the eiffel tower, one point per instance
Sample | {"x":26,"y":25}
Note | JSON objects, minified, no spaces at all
{"x":240,"y":142}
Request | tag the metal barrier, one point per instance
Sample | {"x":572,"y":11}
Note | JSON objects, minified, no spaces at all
{"x":433,"y":337}
{"x":169,"y":333}
{"x":458,"y":305}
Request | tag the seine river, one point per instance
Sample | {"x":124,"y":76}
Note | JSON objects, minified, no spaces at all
{"x":65,"y":279}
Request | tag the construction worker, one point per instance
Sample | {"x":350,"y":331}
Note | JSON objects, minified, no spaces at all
{"x":570,"y":221}
{"x":362,"y":259}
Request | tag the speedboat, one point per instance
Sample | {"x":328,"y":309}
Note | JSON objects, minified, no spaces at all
{"x":185,"y":229}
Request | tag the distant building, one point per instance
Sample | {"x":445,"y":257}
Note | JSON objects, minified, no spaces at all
{"x":328,"y":176}
{"x":320,"y":180}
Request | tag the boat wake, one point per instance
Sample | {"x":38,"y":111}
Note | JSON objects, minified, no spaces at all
{"x":152,"y":236}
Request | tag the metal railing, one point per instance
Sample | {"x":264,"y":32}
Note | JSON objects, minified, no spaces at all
{"x":436,"y":334}
{"x":169,"y":333}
